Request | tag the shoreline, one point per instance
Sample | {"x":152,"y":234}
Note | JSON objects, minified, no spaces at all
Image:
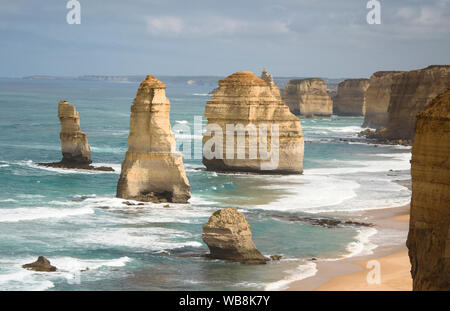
{"x":350,"y":273}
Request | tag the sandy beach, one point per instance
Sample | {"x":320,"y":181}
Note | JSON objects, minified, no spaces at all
{"x":351,"y":274}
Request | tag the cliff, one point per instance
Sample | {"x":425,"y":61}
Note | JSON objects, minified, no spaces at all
{"x":228,"y":237}
{"x":249,"y":104}
{"x":378,"y":96}
{"x":152,"y":171}
{"x":429,"y":233}
{"x":350,"y":97}
{"x":308,"y":97}
{"x":410,"y":93}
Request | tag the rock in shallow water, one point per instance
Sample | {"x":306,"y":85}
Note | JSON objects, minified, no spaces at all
{"x":42,"y":264}
{"x":228,"y":237}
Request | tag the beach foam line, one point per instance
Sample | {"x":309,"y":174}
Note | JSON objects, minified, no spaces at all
{"x":300,"y":273}
{"x":363,"y":245}
{"x":37,"y":213}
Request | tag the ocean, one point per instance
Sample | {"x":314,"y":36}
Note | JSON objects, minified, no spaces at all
{"x":73,"y":218}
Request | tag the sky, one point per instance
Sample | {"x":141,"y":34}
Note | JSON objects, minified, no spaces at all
{"x":303,"y":38}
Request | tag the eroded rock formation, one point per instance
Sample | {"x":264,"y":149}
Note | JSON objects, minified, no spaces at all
{"x":429,"y":231}
{"x":350,"y":97}
{"x":245,"y":101}
{"x":74,"y":143}
{"x":308,"y":97}
{"x":269,"y":80}
{"x":378,"y":96}
{"x":42,"y":264}
{"x":228,"y":237}
{"x":152,"y":170}
{"x":410,"y":93}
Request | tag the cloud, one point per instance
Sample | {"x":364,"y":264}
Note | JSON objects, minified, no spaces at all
{"x":209,"y":25}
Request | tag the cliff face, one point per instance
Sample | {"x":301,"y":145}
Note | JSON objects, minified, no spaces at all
{"x":378,"y":96}
{"x":350,"y":97}
{"x":74,"y":142}
{"x":152,"y":170}
{"x":429,"y":232}
{"x":246,"y":101}
{"x":228,"y":237}
{"x":410,"y":92}
{"x":308,"y":97}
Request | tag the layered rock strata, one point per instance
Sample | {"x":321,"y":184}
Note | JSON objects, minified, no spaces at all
{"x":429,"y":231}
{"x":308,"y":97}
{"x":378,"y":96}
{"x":252,"y":129}
{"x":350,"y":98}
{"x":74,"y":143}
{"x":228,"y":237}
{"x":152,"y":171}
{"x":410,"y":93}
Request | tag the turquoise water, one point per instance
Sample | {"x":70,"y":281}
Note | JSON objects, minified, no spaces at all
{"x":72,"y":217}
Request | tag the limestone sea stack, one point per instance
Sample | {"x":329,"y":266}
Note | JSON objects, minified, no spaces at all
{"x":378,"y":96}
{"x":269,"y":80}
{"x":74,"y":143}
{"x":245,"y":101}
{"x":429,"y":229}
{"x":152,"y":170}
{"x":42,"y":264}
{"x":308,"y":97}
{"x":410,"y":93}
{"x":350,"y":98}
{"x":228,"y":237}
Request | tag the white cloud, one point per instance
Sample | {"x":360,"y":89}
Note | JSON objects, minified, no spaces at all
{"x":213,"y":25}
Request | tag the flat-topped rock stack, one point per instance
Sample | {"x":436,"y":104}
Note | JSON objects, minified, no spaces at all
{"x":308,"y":97}
{"x":378,"y":96}
{"x":152,"y":170}
{"x":429,"y":228}
{"x":246,"y":101}
{"x":350,"y":99}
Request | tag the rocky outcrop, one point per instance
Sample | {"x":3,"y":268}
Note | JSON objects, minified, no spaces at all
{"x":42,"y":264}
{"x":74,"y":143}
{"x":273,"y":86}
{"x":410,"y":93}
{"x":350,"y":98}
{"x":378,"y":96}
{"x":429,"y":231}
{"x":249,"y":105}
{"x":152,"y":170}
{"x":228,"y":237}
{"x":308,"y":97}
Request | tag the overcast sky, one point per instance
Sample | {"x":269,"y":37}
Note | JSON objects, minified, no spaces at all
{"x":326,"y":38}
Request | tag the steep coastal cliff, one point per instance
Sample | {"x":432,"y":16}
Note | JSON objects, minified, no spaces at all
{"x":350,"y":97}
{"x":228,"y":237}
{"x":249,"y":105}
{"x":152,"y":170}
{"x":429,"y":232}
{"x":410,"y":93}
{"x":308,"y":97}
{"x":378,"y":96}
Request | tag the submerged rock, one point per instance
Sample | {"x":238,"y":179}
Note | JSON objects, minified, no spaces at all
{"x":74,"y":143}
{"x":228,"y":237}
{"x":253,"y":107}
{"x":308,"y":97}
{"x":429,"y":229}
{"x":350,"y":98}
{"x":42,"y":264}
{"x":152,"y":170}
